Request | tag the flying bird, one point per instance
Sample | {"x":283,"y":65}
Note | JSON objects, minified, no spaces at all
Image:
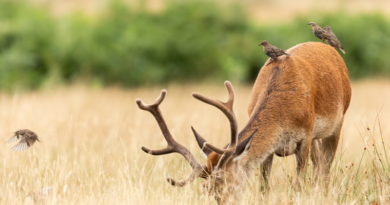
{"x":272,"y":51}
{"x":27,"y":139}
{"x":334,"y":41}
{"x":319,"y":32}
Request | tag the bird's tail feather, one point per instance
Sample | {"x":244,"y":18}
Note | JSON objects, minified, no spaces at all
{"x":342,"y":50}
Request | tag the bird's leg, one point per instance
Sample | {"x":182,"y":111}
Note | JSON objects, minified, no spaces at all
{"x":323,"y":39}
{"x":271,"y":61}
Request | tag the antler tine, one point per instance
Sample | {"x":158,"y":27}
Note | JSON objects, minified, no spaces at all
{"x":227,"y":109}
{"x":173,"y":146}
{"x":184,"y":182}
{"x":141,"y":105}
{"x":200,"y":140}
{"x":230,"y":89}
{"x":155,"y":110}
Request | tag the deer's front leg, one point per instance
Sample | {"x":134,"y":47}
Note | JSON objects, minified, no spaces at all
{"x":302,"y":156}
{"x":266,"y":168}
{"x":266,"y":172}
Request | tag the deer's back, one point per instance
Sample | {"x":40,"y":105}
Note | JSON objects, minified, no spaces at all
{"x":295,"y":90}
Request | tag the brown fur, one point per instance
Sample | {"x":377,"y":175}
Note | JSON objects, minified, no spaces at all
{"x":296,"y":101}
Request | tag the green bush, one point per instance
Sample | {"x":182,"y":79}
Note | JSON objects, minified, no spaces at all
{"x":187,"y":41}
{"x":25,"y":37}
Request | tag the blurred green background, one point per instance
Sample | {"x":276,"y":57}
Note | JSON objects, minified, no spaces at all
{"x":129,"y":44}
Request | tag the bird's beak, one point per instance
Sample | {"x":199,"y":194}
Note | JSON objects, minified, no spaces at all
{"x":308,"y":23}
{"x":259,"y":45}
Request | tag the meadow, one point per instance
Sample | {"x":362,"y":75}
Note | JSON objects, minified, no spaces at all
{"x":91,"y":138}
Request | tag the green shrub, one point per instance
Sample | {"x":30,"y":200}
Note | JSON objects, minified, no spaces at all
{"x":25,"y":36}
{"x":187,"y":41}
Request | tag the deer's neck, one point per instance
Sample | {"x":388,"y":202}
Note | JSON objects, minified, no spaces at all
{"x":263,"y":142}
{"x":266,"y":116}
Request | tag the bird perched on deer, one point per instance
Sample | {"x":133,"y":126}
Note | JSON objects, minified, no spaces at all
{"x":319,"y":32}
{"x":27,"y":139}
{"x":334,"y":41}
{"x":272,"y":51}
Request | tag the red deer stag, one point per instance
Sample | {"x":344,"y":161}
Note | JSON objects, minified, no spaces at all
{"x":297,"y":101}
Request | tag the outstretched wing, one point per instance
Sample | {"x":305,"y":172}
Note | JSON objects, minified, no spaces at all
{"x":21,"y":146}
{"x":13,"y":139}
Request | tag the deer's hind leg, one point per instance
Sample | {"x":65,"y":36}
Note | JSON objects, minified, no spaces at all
{"x":329,"y":148}
{"x":324,"y":151}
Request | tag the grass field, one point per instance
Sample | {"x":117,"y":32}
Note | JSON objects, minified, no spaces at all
{"x":91,"y":139}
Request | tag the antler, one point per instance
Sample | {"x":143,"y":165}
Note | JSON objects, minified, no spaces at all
{"x":227,"y":109}
{"x":173,"y":146}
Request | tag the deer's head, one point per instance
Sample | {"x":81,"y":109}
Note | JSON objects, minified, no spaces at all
{"x":224,"y":174}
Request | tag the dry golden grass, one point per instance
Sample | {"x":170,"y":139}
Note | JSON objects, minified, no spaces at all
{"x":91,"y":139}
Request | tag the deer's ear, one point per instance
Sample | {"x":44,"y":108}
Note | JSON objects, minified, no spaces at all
{"x":200,"y":140}
{"x":243,"y":147}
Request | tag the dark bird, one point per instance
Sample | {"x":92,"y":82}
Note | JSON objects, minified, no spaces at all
{"x":272,"y":51}
{"x":333,"y":39}
{"x":27,"y":139}
{"x":319,"y":32}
